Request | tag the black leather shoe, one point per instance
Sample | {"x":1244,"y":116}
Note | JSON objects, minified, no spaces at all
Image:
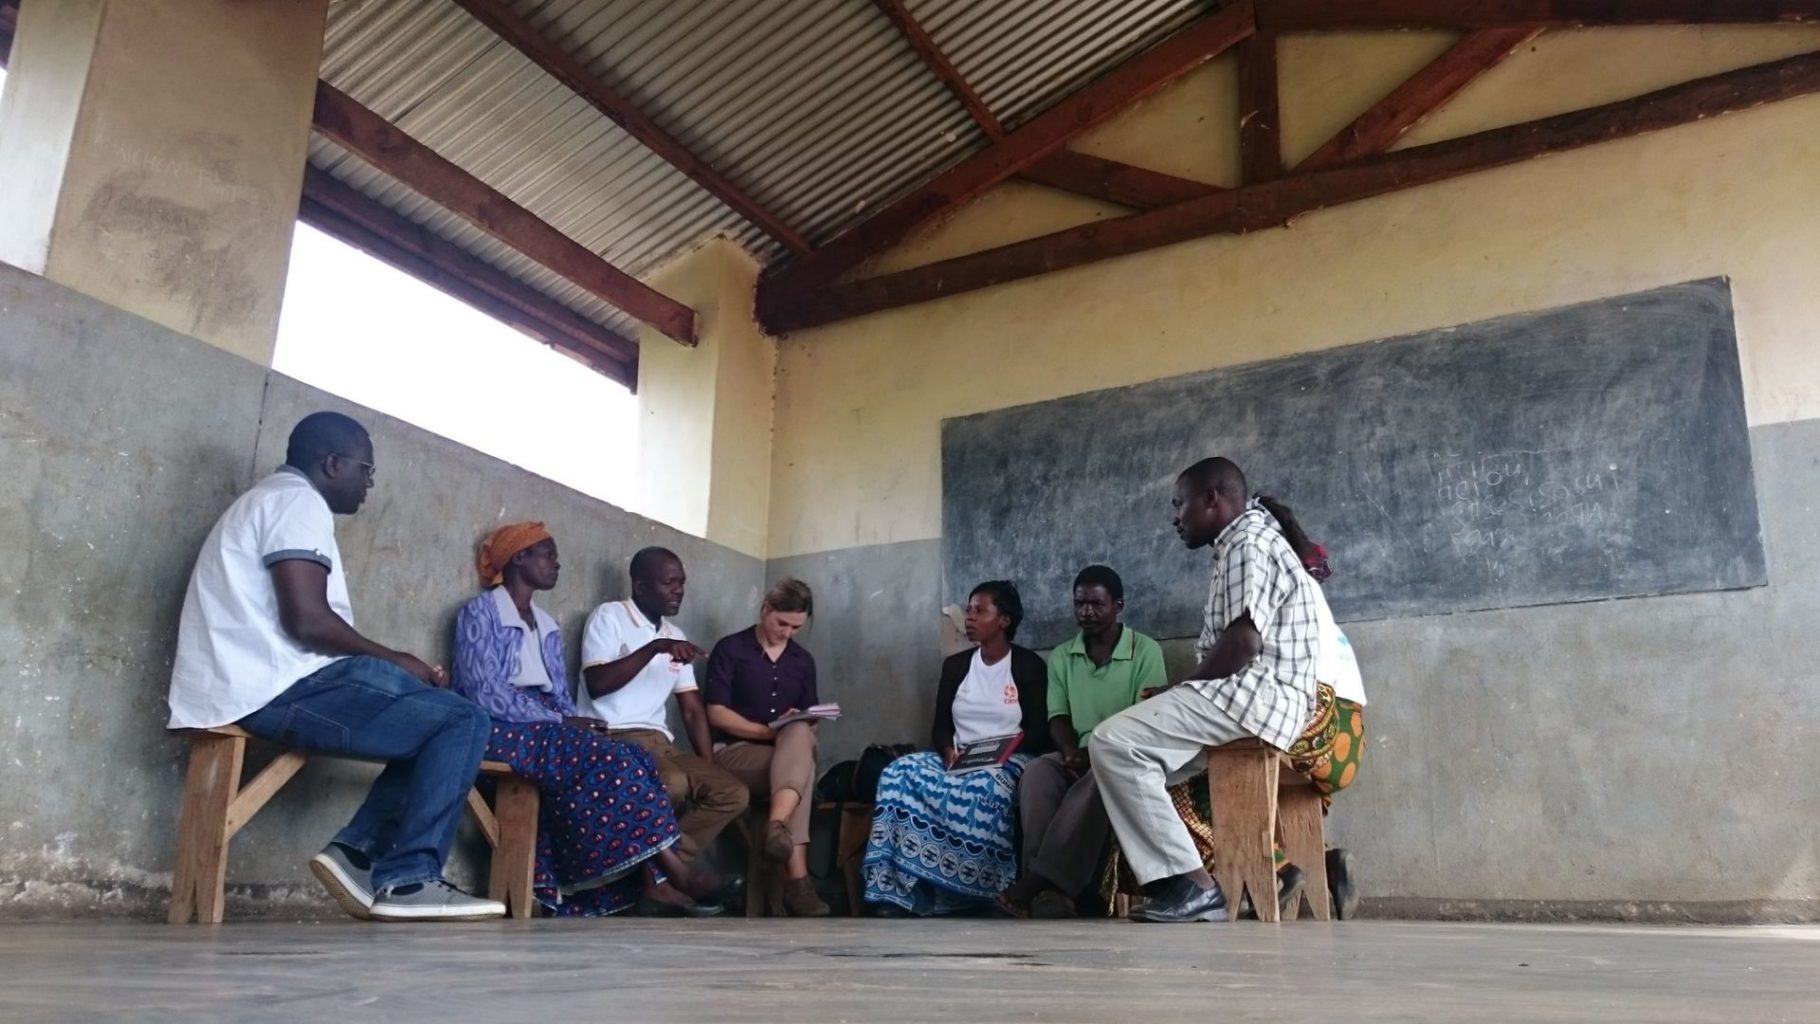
{"x":648,"y":907}
{"x":731,"y":893}
{"x":1341,"y":885}
{"x":1193,"y":904}
{"x":886,"y":910}
{"x":1290,"y":883}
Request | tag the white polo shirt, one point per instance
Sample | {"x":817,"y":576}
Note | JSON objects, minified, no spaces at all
{"x":614,"y":630}
{"x":233,"y":656}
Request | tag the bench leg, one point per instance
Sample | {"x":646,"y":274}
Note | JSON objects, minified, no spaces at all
{"x":1304,"y":830}
{"x":1242,"y":786}
{"x":515,"y":858}
{"x":759,"y":881}
{"x":855,"y":830}
{"x":199,"y":879}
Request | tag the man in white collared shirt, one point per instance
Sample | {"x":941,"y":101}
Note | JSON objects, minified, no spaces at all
{"x":266,"y":641}
{"x":633,"y":660}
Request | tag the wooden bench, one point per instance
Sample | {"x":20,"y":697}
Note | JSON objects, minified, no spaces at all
{"x":762,"y":875}
{"x":1251,"y":790}
{"x":216,"y":805}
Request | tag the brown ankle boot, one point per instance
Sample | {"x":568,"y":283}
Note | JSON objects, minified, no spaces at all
{"x":800,"y":899}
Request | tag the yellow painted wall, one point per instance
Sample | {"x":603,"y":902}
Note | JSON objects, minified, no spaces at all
{"x":705,"y":411}
{"x":166,"y":149}
{"x":860,"y":403}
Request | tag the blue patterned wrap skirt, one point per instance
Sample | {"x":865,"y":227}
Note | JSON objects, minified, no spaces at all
{"x":942,"y":843}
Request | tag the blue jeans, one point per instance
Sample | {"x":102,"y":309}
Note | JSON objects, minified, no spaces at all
{"x":430,"y":739}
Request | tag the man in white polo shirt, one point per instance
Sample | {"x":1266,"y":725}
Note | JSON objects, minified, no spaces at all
{"x":633,"y":659}
{"x":266,"y":641}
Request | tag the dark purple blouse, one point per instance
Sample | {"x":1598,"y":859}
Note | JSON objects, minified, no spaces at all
{"x":741,"y":677}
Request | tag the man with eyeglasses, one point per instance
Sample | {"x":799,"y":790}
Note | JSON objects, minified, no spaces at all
{"x":266,"y":641}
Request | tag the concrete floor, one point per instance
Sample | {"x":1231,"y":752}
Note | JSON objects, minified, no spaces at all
{"x":960,"y":971}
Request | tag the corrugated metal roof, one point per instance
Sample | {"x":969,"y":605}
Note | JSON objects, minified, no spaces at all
{"x":815,"y":108}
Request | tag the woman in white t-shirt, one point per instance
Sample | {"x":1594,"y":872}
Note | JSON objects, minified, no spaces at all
{"x":944,"y":842}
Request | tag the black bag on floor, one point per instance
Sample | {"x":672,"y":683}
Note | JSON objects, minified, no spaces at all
{"x":857,"y":781}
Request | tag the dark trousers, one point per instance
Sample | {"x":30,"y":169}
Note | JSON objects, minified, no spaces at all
{"x":1064,"y":823}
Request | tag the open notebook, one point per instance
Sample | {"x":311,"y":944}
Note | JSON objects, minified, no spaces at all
{"x":986,"y":753}
{"x":817,"y":713}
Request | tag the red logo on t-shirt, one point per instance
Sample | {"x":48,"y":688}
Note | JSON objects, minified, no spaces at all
{"x":1011,"y":693}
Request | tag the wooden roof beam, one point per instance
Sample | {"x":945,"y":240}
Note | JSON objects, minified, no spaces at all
{"x":1095,"y":177}
{"x":1260,"y":119}
{"x":1041,"y":137}
{"x":505,"y":23}
{"x":385,"y":146}
{"x":1425,"y":92}
{"x":1319,"y":15}
{"x":1114,"y":182}
{"x":344,"y":213}
{"x":937,"y":62}
{"x":1255,"y":207}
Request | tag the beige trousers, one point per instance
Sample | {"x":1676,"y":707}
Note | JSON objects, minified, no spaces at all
{"x":1137,"y":755}
{"x":706,"y":796}
{"x":769,"y":768}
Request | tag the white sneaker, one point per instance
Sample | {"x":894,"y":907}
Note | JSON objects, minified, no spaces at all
{"x":435,"y":900}
{"x":352,"y":887}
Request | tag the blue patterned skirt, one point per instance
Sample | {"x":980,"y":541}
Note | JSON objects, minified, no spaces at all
{"x":603,"y":812}
{"x":942,"y":843}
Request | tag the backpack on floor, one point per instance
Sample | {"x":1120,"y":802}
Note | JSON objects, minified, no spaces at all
{"x":856,"y":781}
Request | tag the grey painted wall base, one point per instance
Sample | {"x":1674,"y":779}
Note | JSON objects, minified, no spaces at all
{"x":121,"y":442}
{"x":1585,"y":911}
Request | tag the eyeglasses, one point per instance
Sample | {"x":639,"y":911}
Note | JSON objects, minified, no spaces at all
{"x":362,"y":463}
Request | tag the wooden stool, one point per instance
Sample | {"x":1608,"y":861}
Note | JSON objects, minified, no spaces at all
{"x":1302,"y":822}
{"x":216,"y":806}
{"x":1250,"y":794}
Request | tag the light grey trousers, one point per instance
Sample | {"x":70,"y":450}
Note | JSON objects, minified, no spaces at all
{"x":1139,"y":753}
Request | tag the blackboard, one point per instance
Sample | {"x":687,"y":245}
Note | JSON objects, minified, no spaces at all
{"x":1577,"y":454}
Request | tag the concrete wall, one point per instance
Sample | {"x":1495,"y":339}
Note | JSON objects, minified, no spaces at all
{"x":1609,"y":759}
{"x":121,"y":442}
{"x":155,"y":151}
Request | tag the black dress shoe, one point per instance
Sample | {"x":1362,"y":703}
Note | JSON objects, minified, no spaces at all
{"x":1341,"y":885}
{"x":730,"y":893}
{"x":648,"y":907}
{"x":1188,"y":903}
{"x":1290,"y":883}
{"x":886,"y":910}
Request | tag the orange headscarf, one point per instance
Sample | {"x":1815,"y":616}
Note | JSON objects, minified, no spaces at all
{"x":502,"y":544}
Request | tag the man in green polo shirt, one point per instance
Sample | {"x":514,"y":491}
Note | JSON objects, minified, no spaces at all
{"x":1092,"y":677}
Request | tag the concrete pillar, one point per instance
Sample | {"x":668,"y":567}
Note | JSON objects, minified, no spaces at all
{"x":152,"y":152}
{"x":705,"y":412}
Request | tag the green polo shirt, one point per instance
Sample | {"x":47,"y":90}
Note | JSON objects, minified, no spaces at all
{"x":1089,"y":694}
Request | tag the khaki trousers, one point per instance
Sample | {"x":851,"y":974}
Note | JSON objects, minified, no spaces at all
{"x":770,"y":768}
{"x":705,"y":794}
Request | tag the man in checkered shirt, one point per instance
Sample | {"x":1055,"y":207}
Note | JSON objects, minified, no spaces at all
{"x":1255,"y":677}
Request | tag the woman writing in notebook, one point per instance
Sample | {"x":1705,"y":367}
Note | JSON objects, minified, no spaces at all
{"x":755,"y":677}
{"x":943,"y":842}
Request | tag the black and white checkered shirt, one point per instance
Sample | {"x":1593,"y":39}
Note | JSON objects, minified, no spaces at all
{"x":1257,"y":572}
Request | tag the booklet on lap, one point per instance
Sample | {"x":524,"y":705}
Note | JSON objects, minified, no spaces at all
{"x":817,"y":713}
{"x":987,"y":753}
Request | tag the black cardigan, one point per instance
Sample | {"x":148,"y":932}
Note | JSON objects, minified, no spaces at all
{"x":1032,"y":678}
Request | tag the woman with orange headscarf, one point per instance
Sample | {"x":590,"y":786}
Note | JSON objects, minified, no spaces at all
{"x":605,"y":823}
